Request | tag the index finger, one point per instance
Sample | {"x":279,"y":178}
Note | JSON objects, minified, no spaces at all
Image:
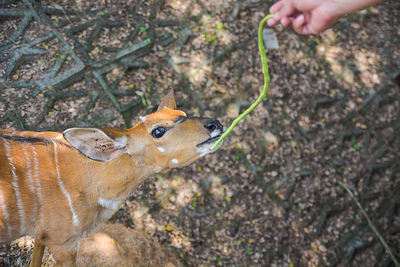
{"x":276,"y":7}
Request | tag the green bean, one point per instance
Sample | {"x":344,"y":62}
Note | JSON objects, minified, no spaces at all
{"x":264,"y":92}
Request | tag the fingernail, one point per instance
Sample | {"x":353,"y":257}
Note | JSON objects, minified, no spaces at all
{"x":300,"y":18}
{"x":270,"y":22}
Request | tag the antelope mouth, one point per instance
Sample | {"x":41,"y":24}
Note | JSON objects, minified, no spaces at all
{"x":210,"y":140}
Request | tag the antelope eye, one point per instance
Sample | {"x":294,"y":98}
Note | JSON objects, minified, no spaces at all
{"x":159,"y":132}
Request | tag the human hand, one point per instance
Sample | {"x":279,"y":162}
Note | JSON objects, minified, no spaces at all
{"x":314,"y":16}
{"x":306,"y":16}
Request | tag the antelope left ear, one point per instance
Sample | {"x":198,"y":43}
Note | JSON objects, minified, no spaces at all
{"x":96,"y":144}
{"x":168,"y":101}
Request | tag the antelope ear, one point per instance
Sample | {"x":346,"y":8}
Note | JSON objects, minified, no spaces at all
{"x":168,"y":101}
{"x":95,"y":144}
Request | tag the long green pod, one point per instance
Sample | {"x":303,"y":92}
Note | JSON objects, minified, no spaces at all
{"x":264,"y":92}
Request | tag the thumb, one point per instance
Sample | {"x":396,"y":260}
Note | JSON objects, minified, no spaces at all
{"x":305,"y":24}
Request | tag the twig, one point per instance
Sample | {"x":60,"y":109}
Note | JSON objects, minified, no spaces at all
{"x":372,"y":225}
{"x":264,"y":92}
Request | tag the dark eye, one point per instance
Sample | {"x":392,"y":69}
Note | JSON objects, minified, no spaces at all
{"x":159,"y":132}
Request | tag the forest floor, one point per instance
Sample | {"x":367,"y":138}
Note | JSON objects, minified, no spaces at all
{"x":273,"y":195}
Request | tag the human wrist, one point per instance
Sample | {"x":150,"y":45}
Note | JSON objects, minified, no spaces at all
{"x":340,"y":8}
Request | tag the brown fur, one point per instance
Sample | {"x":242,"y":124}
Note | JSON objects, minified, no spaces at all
{"x":115,"y":245}
{"x":48,"y":215}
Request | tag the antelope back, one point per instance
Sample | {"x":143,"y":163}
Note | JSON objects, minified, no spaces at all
{"x":25,"y":158}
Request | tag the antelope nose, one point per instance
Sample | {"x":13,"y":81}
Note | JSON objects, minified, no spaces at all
{"x":213,"y":125}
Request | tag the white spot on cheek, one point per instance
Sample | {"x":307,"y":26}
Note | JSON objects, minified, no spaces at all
{"x":143,"y":119}
{"x":175,"y":161}
{"x":161,"y":149}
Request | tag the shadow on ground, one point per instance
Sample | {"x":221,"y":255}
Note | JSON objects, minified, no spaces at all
{"x":271,"y":196}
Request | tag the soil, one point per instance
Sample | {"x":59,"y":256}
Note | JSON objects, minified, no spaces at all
{"x":273,"y":195}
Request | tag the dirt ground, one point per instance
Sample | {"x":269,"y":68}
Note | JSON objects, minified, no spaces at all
{"x":273,"y":194}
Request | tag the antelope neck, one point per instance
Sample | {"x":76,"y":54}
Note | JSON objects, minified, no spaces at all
{"x":115,"y":180}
